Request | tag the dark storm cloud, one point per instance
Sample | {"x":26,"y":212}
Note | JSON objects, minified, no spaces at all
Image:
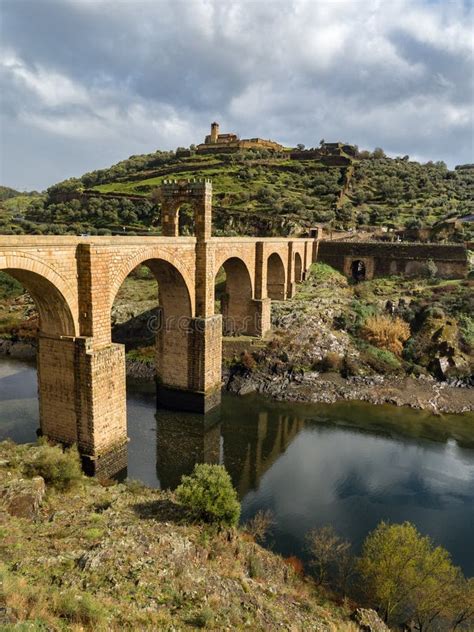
{"x":85,"y":83}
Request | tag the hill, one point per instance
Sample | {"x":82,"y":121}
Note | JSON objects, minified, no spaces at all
{"x":255,"y":193}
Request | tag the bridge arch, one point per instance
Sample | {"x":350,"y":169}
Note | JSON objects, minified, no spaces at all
{"x":166,"y":261}
{"x":54,"y":298}
{"x":276,"y":285}
{"x":171,"y":326}
{"x":298,"y":268}
{"x":237,"y":298}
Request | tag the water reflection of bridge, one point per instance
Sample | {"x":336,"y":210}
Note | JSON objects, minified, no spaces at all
{"x":247,"y":447}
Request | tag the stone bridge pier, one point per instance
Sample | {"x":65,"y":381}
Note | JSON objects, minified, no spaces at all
{"x":74,"y":281}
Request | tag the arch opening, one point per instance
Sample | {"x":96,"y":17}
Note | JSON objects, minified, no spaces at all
{"x":186,"y":219}
{"x":51,"y":325}
{"x":276,"y":286}
{"x":158,"y":330}
{"x":233,"y":294}
{"x":54,"y":313}
{"x":298,"y":268}
{"x":358,"y":270}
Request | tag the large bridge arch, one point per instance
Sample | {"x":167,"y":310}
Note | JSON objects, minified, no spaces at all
{"x":58,"y":383}
{"x":54,"y":298}
{"x":172,"y":326}
{"x":161,"y":256}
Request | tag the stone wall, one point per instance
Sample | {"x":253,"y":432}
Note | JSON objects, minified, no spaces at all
{"x":405,"y":259}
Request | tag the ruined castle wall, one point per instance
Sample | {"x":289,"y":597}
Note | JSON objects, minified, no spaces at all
{"x":405,"y":259}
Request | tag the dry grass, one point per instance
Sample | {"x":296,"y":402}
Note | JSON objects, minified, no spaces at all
{"x":386,"y":333}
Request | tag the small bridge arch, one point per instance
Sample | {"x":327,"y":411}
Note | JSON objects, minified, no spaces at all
{"x":276,"y":277}
{"x":237,"y":298}
{"x":298,"y":268}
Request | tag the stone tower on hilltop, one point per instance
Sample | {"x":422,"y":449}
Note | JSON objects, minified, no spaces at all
{"x":214,"y":132}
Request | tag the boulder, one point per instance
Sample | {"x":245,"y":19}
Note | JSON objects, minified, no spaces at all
{"x":22,"y":498}
{"x":369,"y":621}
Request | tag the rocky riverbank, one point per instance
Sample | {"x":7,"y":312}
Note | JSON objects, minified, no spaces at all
{"x":422,"y":393}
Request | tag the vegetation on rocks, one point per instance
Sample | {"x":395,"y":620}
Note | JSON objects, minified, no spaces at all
{"x":121,"y":557}
{"x":375,"y":326}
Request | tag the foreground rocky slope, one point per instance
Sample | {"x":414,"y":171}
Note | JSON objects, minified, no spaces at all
{"x":124,"y":557}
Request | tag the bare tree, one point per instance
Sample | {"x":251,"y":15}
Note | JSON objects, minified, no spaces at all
{"x":327,"y":549}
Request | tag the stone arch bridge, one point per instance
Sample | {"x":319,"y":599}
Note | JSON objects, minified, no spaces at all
{"x":74,"y":280}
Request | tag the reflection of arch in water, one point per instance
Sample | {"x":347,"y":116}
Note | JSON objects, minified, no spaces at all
{"x":253,"y":445}
{"x":276,"y":286}
{"x":237,"y":308}
{"x":358,"y":270}
{"x":182,"y":440}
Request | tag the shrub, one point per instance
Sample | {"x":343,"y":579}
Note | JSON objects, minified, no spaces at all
{"x":59,"y":468}
{"x":404,"y":573}
{"x":386,"y":333}
{"x":259,"y":526}
{"x":208,"y":493}
{"x":81,"y":608}
{"x":430,"y":269}
{"x":332,"y":361}
{"x":350,"y":367}
{"x":254,"y":566}
{"x":326,"y":548}
{"x":248,"y":361}
{"x":203,"y":619}
{"x":295,"y":563}
{"x":380,"y":360}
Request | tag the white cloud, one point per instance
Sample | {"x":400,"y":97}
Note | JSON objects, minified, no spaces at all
{"x":396,"y":75}
{"x":52,"y":88}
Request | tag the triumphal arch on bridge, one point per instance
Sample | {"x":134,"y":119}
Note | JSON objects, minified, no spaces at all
{"x":74,"y":281}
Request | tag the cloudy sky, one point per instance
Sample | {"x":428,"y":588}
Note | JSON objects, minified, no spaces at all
{"x":85,"y":83}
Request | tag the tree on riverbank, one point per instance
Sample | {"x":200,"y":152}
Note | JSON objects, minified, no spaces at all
{"x":408,"y":578}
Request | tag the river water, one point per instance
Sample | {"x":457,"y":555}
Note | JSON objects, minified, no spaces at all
{"x":348,"y":464}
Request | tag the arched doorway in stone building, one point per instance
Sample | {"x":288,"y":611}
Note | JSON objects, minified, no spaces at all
{"x":358,"y":270}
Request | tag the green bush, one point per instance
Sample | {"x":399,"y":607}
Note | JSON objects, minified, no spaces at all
{"x":81,"y":608}
{"x":255,"y":567}
{"x":380,"y":360}
{"x":59,"y":468}
{"x":209,"y":495}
